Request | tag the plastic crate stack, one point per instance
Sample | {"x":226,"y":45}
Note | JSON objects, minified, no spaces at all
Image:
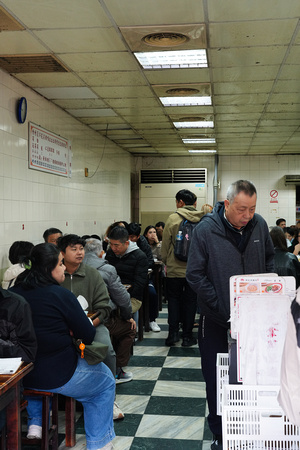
{"x":251,"y":415}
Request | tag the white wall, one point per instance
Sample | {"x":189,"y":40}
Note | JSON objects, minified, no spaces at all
{"x":266,"y":172}
{"x":35,"y":200}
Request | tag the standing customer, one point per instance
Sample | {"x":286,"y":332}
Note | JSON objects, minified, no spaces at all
{"x":182,"y":301}
{"x":57,"y":314}
{"x":233,"y":240}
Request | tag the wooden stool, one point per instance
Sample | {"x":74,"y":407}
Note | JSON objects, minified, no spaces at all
{"x":49,"y":436}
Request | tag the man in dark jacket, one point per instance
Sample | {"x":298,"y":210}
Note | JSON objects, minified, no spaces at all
{"x":130,"y":262}
{"x":232,"y":240}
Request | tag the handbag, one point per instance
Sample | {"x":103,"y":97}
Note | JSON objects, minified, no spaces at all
{"x":135,"y":304}
{"x":93,"y":353}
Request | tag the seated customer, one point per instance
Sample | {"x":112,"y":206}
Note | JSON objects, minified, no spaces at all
{"x":86,"y":281}
{"x":121,"y":325}
{"x":130,"y":262}
{"x":57,"y":316}
{"x":134,"y":232}
{"x":286,"y":264}
{"x":51,"y":235}
{"x":17,"y":336}
{"x":18,"y":256}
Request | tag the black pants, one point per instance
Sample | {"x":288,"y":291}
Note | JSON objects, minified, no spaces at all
{"x":182,"y":305}
{"x":212,"y":339}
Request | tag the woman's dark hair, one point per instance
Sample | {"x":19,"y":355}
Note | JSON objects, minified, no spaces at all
{"x":44,"y":258}
{"x":19,"y":251}
{"x":147,"y":229}
{"x":278,"y":238}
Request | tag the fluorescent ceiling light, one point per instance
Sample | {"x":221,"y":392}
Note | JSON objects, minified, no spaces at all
{"x":195,"y":124}
{"x":199,"y":141}
{"x":185,"y":101}
{"x":202,"y":151}
{"x":179,"y":59}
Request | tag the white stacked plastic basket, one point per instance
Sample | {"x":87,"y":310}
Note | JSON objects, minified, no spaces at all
{"x":252,"y":419}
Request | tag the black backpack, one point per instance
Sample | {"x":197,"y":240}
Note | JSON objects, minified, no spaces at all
{"x":183,"y":239}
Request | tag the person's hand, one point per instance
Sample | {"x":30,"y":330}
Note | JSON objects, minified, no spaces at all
{"x":96,"y":322}
{"x":296,"y":249}
{"x":133,"y":324}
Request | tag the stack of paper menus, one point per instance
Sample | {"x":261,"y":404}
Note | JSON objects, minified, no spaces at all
{"x":259,"y":307}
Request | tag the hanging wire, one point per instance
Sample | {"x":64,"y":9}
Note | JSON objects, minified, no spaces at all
{"x":104,"y":145}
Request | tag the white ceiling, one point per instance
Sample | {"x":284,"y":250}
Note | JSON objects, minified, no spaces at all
{"x":253,"y":49}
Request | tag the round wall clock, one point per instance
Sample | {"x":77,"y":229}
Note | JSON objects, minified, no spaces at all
{"x":22,"y":110}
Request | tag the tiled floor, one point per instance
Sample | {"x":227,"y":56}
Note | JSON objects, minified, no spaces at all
{"x":164,"y":404}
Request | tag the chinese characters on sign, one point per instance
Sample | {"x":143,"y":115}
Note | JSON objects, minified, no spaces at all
{"x":49,"y":152}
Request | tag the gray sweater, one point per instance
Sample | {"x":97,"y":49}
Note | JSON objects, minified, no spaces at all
{"x":119,"y":297}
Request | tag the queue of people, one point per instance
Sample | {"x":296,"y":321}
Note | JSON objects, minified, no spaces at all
{"x":110,"y":275}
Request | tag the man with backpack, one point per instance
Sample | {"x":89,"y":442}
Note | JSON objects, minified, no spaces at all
{"x":182,"y":300}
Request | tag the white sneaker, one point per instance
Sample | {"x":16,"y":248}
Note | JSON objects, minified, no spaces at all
{"x":117,"y":412}
{"x":153,"y":326}
{"x":34,"y":432}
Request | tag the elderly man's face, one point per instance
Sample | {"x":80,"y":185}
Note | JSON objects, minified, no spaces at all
{"x":118,"y":247}
{"x":241,"y":210}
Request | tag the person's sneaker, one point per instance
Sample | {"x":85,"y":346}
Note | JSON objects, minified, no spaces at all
{"x":217,"y":443}
{"x":188,"y":342}
{"x":123,"y":377}
{"x":118,"y":414}
{"x":34,"y":432}
{"x":172,"y":339}
{"x":153,"y":326}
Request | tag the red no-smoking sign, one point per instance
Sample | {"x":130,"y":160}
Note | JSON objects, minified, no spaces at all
{"x":274,"y":196}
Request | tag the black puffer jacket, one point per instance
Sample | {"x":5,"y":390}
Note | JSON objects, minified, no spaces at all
{"x":17,"y":335}
{"x":287,"y":264}
{"x":132,"y":268}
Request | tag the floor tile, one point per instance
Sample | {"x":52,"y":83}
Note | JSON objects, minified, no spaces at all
{"x":133,"y":404}
{"x":145,"y":373}
{"x":171,"y":427}
{"x":175,"y":374}
{"x":173,"y":407}
{"x":147,"y":361}
{"x":165,"y":444}
{"x":185,"y":351}
{"x":151,"y":351}
{"x":128,"y":426}
{"x":182,"y":363}
{"x":136,"y":387}
{"x":179,"y":389}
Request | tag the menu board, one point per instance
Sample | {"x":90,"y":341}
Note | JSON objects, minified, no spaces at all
{"x":49,"y":152}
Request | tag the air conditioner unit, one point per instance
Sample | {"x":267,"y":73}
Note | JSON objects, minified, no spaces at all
{"x":159,"y":187}
{"x":292,"y":179}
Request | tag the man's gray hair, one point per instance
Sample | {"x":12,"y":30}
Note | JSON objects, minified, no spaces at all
{"x":240,"y":186}
{"x":93,"y":246}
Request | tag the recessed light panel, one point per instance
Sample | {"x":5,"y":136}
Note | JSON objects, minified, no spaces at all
{"x":199,"y":141}
{"x":185,"y":101}
{"x":202,"y":151}
{"x":172,"y":59}
{"x":194,"y":124}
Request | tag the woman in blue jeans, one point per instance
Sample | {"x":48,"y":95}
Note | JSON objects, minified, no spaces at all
{"x":57,"y":316}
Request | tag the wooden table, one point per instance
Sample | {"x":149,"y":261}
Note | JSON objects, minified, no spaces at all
{"x":10,"y":399}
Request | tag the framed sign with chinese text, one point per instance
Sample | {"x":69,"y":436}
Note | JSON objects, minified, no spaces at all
{"x":49,"y":152}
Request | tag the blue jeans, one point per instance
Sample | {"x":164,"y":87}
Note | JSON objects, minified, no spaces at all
{"x":93,"y":386}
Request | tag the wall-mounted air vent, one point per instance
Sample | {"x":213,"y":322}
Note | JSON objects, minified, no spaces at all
{"x":173,"y":176}
{"x":292,"y":179}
